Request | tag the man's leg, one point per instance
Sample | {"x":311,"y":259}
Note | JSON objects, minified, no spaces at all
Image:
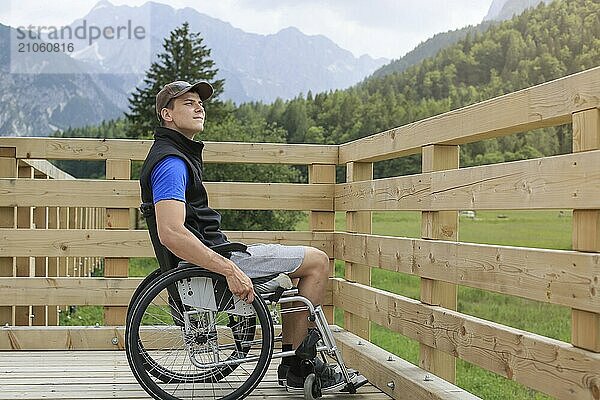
{"x":313,"y":275}
{"x":287,"y":320}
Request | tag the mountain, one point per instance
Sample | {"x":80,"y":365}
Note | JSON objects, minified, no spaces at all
{"x":255,"y":67}
{"x":501,"y":10}
{"x":95,"y":82}
{"x":35,"y":104}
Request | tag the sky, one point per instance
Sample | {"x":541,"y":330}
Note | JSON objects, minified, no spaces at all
{"x":379,"y":28}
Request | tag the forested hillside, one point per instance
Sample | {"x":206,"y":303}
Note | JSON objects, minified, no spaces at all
{"x":430,"y":47}
{"x":542,"y":44}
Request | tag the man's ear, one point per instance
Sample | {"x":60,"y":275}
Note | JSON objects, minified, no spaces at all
{"x":165,"y":113}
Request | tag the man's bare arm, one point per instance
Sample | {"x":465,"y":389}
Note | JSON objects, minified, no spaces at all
{"x":170,"y":218}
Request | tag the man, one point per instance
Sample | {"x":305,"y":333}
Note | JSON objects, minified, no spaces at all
{"x":184,"y":227}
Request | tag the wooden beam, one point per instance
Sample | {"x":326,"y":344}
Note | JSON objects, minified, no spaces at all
{"x":25,"y":266}
{"x":323,"y":221}
{"x":548,"y":104}
{"x":72,"y":291}
{"x":134,"y":243}
{"x":126,"y":194}
{"x":116,"y":219}
{"x":558,"y":182}
{"x":549,"y":276}
{"x":62,"y":338}
{"x":48,"y":169}
{"x":82,"y":338}
{"x":53,"y":265}
{"x":137,"y":150}
{"x":8,"y":219}
{"x":76,"y":291}
{"x":391,"y":374}
{"x":439,"y":225}
{"x":358,"y":222}
{"x":550,"y":366}
{"x":586,"y":130}
{"x":585,"y":325}
{"x":39,"y":314}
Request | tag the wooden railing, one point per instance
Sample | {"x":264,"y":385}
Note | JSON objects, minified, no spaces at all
{"x":567,"y":278}
{"x":39,"y":219}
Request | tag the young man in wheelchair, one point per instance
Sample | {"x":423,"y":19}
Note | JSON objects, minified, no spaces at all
{"x":186,"y":228}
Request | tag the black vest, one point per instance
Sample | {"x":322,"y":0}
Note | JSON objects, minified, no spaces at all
{"x":200,"y":219}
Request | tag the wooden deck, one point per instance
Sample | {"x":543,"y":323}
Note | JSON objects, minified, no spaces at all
{"x":102,"y":375}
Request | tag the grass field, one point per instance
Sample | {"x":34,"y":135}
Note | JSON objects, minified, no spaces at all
{"x":544,"y":229}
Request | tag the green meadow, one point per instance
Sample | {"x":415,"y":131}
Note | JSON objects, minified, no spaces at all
{"x":544,"y":229}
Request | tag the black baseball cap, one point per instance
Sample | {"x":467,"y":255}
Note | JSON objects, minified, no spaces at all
{"x":177,"y":88}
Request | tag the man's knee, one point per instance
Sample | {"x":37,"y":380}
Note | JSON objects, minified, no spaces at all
{"x":320,"y":260}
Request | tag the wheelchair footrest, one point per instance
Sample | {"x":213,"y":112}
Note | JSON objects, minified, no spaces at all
{"x":357,"y":381}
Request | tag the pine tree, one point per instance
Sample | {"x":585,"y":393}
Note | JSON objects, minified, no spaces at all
{"x":184,"y":58}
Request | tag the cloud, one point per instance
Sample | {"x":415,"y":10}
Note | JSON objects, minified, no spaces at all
{"x":384,"y":28}
{"x":380,"y":28}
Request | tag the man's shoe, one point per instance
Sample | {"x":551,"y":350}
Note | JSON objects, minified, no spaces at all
{"x":282,"y":371}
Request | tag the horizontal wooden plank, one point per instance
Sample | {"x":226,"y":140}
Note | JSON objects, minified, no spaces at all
{"x":75,"y":243}
{"x":384,"y":369}
{"x":548,"y":104}
{"x":61,"y":338}
{"x":84,"y":338}
{"x":214,"y":152}
{"x":126,"y":194}
{"x":74,"y":291}
{"x":39,"y":291}
{"x":541,"y":363}
{"x":129,"y":243}
{"x":566,"y":181}
{"x":568,"y":278}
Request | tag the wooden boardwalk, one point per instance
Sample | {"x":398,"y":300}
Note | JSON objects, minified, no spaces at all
{"x":102,"y":375}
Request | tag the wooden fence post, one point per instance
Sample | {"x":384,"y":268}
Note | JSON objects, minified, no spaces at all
{"x":53,"y":223}
{"x":116,"y":218}
{"x":40,"y":221}
{"x":63,"y":262}
{"x":585,"y":325}
{"x":71,"y":224}
{"x":358,"y":222}
{"x":439,"y":225}
{"x":8,"y":169}
{"x":323,"y":221}
{"x":25,"y":265}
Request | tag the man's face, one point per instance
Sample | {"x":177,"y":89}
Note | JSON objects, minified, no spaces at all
{"x":187,"y":115}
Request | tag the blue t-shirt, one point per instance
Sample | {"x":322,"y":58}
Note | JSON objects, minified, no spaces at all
{"x":169,"y":179}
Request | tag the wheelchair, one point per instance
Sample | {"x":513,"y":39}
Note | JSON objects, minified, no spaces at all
{"x":188,"y":337}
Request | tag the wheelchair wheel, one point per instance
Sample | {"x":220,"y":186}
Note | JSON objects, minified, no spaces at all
{"x":178,"y":349}
{"x":143,"y":285}
{"x":151,"y":366}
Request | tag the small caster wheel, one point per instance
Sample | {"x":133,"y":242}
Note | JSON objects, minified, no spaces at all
{"x":312,"y":387}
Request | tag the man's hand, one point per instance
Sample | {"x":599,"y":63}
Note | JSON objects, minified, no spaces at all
{"x":240,"y":284}
{"x":170,"y":217}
